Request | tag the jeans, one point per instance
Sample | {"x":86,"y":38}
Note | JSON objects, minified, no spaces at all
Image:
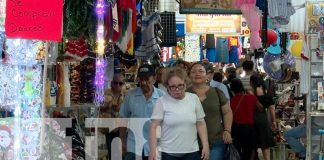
{"x":187,"y":156}
{"x":217,"y":150}
{"x":132,"y":156}
{"x":292,"y":137}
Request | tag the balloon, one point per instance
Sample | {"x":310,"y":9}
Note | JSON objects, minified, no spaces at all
{"x":296,"y":48}
{"x":272,"y":37}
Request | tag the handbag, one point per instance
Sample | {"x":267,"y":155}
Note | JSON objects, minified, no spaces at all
{"x":231,"y":153}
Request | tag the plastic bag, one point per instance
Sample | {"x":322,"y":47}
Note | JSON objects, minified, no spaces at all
{"x":232,"y":153}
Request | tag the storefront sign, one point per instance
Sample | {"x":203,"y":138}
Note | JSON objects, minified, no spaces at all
{"x":315,"y":17}
{"x":34,"y":19}
{"x":213,"y":23}
{"x":208,"y":6}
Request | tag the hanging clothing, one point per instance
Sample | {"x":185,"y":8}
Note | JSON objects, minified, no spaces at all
{"x":109,"y":21}
{"x":233,"y":55}
{"x":234,"y":41}
{"x":130,"y":4}
{"x":210,"y":41}
{"x":67,"y":86}
{"x":138,"y":32}
{"x":149,"y":45}
{"x":246,"y":42}
{"x":239,"y":49}
{"x":222,"y":50}
{"x":53,"y":93}
{"x":60,"y":84}
{"x":211,"y":54}
{"x":47,"y":93}
{"x":126,"y":38}
{"x":296,"y":24}
{"x":192,"y":48}
{"x":280,"y":12}
{"x":117,"y":21}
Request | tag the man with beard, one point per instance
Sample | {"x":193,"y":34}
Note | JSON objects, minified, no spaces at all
{"x":139,"y":103}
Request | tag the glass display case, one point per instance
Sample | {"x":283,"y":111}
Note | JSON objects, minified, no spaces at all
{"x":315,"y":116}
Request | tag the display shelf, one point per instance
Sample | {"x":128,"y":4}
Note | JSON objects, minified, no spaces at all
{"x":315,"y":114}
{"x":317,"y":62}
{"x":314,"y":118}
{"x":319,"y":76}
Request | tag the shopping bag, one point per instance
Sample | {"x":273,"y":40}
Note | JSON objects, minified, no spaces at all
{"x":231,"y":153}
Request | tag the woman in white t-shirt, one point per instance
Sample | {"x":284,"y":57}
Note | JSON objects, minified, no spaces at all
{"x":181,"y":117}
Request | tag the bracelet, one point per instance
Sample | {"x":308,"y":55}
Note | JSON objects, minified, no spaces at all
{"x":225,"y":130}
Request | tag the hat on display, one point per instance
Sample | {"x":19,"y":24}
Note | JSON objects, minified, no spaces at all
{"x":146,"y":70}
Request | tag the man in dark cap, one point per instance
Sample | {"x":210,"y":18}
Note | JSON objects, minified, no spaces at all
{"x":139,"y":103}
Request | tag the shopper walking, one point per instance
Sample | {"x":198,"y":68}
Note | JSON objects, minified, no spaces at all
{"x":243,"y":106}
{"x":216,"y":106}
{"x":113,"y":99}
{"x":139,"y":103}
{"x":181,"y":117}
{"x":264,"y":134}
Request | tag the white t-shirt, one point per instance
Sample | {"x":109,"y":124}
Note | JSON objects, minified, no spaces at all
{"x":178,"y":122}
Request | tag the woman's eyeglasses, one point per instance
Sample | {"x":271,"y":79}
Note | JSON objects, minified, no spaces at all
{"x":178,"y":87}
{"x":118,"y":83}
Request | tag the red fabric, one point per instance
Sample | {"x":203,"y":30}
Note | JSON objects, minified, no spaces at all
{"x":245,"y":113}
{"x":108,"y":22}
{"x":130,"y":4}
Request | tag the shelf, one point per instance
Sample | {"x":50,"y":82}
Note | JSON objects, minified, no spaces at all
{"x":317,"y":76}
{"x":316,"y":114}
{"x":317,"y":62}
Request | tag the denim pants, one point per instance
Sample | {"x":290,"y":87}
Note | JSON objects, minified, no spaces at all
{"x":187,"y":156}
{"x":217,"y":150}
{"x":133,"y":156}
{"x":292,"y":137}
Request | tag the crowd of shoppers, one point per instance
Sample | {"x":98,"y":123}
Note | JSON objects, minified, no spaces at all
{"x":197,"y":112}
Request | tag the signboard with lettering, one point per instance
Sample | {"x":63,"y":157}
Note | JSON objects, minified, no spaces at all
{"x":213,"y":23}
{"x":314,"y":17}
{"x":34,"y":19}
{"x":208,"y":6}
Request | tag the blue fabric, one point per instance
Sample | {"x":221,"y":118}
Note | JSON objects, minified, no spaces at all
{"x":136,"y":106}
{"x":261,"y":4}
{"x":187,"y":156}
{"x":211,"y":54}
{"x":217,"y":150}
{"x":292,"y":137}
{"x":220,"y":86}
{"x":233,"y":55}
{"x":201,"y":52}
{"x":180,"y":29}
{"x":222,"y":50}
{"x":138,"y":33}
